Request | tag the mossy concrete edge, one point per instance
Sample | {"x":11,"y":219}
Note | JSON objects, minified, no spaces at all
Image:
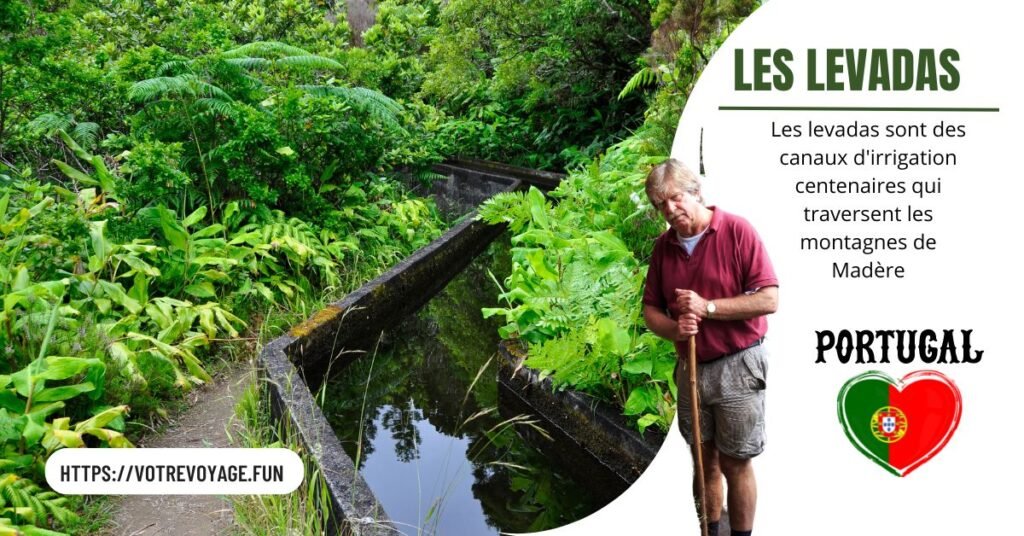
{"x":335,"y":336}
{"x":354,"y":509}
{"x":545,"y":180}
{"x":599,"y":430}
{"x":294,"y":364}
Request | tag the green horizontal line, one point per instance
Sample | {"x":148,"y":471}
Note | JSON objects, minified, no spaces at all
{"x":849,"y":109}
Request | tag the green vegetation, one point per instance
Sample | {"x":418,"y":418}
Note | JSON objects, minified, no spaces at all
{"x":304,"y":512}
{"x":180,"y":176}
{"x":93,"y":324}
{"x":578,"y":263}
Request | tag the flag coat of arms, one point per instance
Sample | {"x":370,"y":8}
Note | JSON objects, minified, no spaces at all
{"x":899,"y":424}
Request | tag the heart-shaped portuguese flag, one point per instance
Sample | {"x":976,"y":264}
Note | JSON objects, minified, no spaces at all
{"x":899,"y":424}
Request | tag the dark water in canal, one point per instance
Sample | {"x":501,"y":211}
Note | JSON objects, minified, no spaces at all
{"x":434,"y":448}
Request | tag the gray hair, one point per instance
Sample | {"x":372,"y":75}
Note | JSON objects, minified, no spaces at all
{"x":672,"y":172}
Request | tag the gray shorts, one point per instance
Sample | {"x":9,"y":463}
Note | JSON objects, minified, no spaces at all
{"x":731,"y":395}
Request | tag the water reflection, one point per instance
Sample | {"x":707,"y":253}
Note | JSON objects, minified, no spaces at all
{"x":421,"y":419}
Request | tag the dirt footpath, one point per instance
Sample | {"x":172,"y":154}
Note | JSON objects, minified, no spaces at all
{"x":204,"y":424}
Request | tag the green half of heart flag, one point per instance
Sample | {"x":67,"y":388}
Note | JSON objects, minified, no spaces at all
{"x":899,"y":424}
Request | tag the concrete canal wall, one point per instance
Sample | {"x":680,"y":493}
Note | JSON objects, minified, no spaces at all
{"x":294,"y":365}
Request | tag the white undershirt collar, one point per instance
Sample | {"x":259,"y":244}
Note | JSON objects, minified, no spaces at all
{"x":690,"y":243}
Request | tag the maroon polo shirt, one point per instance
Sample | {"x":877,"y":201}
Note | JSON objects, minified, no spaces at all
{"x":728,"y":261}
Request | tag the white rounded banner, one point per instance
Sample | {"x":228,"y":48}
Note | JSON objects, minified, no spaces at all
{"x":189,"y":471}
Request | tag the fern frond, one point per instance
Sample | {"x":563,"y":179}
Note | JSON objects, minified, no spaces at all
{"x":506,"y":207}
{"x":86,"y":134}
{"x":164,"y":86}
{"x":264,"y":48}
{"x":49,"y":123}
{"x":248,"y":62}
{"x":368,"y":97}
{"x":208,"y":90}
{"x":157,"y":87}
{"x":644,"y":77}
{"x":237,"y":71}
{"x":217,"y":106}
{"x":428,"y":177}
{"x":357,"y":95}
{"x":175,"y":67}
{"x":21,"y":493}
{"x":309,"y":61}
{"x":375,"y":102}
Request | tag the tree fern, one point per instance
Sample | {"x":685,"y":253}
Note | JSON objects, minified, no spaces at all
{"x":86,"y":134}
{"x":201,"y":88}
{"x":215,"y":105}
{"x":159,"y":86}
{"x":49,"y":123}
{"x":647,"y":76}
{"x":308,"y":61}
{"x":181,"y":85}
{"x":174,"y":67}
{"x":193,"y":77}
{"x":375,"y":102}
{"x":265,"y":48}
{"x":235,"y":70}
{"x":250,"y":63}
{"x":302,"y":61}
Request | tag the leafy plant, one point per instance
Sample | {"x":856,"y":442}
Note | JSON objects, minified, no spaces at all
{"x":574,"y":290}
{"x":546,"y":73}
{"x":49,"y":124}
{"x":260,"y":121}
{"x":219,"y":161}
{"x":28,"y":398}
{"x":103,"y":178}
{"x":22,"y":501}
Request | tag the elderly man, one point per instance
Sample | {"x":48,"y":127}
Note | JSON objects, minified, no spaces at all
{"x":710,"y":278}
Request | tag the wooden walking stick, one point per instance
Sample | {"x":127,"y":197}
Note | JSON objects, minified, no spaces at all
{"x":695,"y":412}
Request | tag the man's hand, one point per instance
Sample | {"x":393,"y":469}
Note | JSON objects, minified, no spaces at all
{"x":692,"y":308}
{"x":687,"y":325}
{"x":689,"y":301}
{"x":662,"y":325}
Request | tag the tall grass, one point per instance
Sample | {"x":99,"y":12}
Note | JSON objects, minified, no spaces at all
{"x":305,"y":511}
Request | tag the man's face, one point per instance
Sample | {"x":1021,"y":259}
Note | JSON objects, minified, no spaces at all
{"x":680,"y":209}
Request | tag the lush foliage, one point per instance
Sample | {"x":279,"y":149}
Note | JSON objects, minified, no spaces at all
{"x":578,"y":270}
{"x":177,"y":174}
{"x":127,"y":321}
{"x":119,"y":322}
{"x":160,"y":164}
{"x":576,"y":282}
{"x":524,"y":76}
{"x":529,"y":83}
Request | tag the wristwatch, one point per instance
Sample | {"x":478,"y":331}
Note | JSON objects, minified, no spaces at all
{"x":711,"y":309}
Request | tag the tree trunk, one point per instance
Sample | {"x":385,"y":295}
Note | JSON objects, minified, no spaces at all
{"x":361,"y":15}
